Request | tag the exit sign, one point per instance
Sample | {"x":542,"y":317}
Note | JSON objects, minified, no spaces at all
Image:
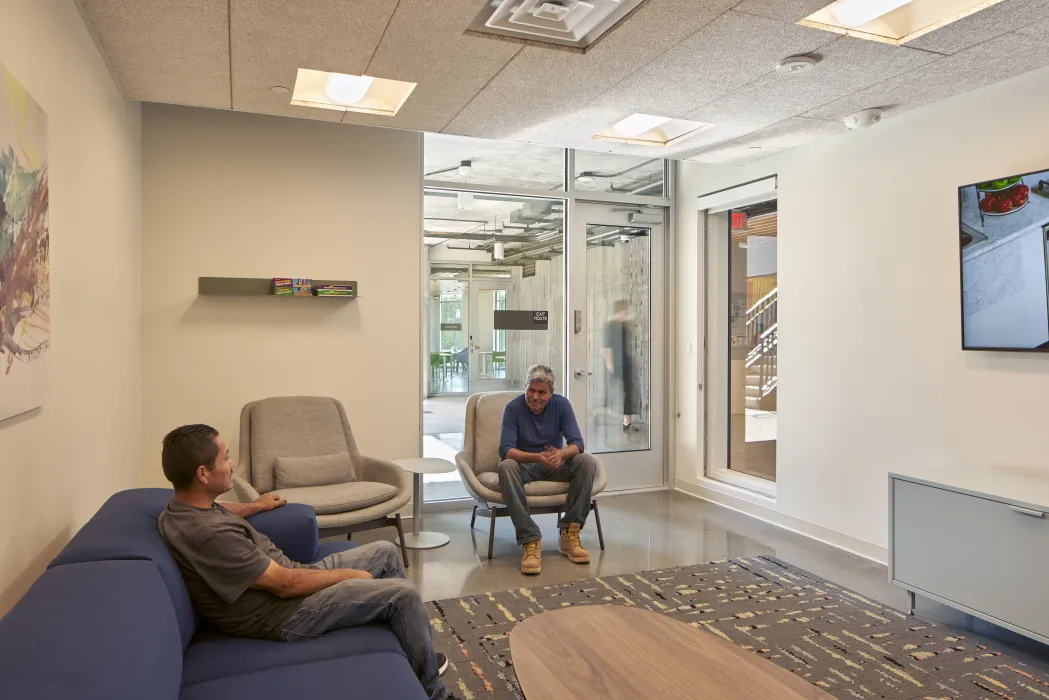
{"x":739,"y":220}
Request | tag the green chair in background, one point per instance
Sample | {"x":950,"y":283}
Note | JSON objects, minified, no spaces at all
{"x":499,"y":360}
{"x":436,"y":365}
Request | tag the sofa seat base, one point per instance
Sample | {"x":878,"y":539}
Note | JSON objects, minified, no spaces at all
{"x":381,"y":676}
{"x":212,"y":655}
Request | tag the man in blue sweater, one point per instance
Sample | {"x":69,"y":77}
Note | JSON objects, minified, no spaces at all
{"x":540,"y":441}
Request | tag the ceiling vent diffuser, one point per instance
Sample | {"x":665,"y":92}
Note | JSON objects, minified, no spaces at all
{"x":572,"y":24}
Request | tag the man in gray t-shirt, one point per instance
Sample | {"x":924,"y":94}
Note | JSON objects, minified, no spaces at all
{"x":242,"y":584}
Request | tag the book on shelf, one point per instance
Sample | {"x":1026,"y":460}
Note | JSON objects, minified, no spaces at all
{"x":303,"y":287}
{"x":282,"y":286}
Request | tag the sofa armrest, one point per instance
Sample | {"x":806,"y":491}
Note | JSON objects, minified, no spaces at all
{"x":293,"y":528}
{"x":246,"y":493}
{"x":373,"y":469}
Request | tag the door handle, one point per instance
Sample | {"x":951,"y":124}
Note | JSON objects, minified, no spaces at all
{"x":1027,"y":511}
{"x":579,"y":374}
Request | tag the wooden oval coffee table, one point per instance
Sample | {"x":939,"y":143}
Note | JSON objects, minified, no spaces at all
{"x":616,"y":652}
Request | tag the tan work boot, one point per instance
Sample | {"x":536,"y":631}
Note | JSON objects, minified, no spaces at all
{"x":532,"y":559}
{"x":571,"y":547}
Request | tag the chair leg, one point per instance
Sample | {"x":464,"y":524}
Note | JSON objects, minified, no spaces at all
{"x":349,"y":535}
{"x":597,"y":519}
{"x":404,"y":550}
{"x":491,"y":535}
{"x":473,"y":518}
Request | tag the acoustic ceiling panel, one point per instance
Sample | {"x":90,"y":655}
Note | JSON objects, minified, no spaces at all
{"x":541,"y":84}
{"x":174,"y":51}
{"x":425,"y":44}
{"x":1004,"y":57}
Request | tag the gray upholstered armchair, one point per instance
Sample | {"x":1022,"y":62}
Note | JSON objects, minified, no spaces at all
{"x":302,"y":448}
{"x":478,"y":465}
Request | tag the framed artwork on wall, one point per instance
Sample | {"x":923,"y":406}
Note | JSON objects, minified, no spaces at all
{"x":25,"y":280}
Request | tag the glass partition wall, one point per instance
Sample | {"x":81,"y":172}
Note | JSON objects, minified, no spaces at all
{"x":524,"y":254}
{"x":743,"y":356}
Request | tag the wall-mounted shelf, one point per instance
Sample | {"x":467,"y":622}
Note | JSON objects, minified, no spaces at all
{"x":258,"y":287}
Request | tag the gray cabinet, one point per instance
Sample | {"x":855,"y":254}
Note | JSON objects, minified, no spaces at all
{"x":982,"y":553}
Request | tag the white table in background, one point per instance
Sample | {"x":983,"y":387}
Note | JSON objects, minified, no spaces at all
{"x":420,"y":466}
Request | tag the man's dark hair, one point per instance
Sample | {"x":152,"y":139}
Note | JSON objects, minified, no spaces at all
{"x":185,"y":449}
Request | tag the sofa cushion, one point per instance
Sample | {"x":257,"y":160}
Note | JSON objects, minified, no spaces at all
{"x":536,"y":488}
{"x":292,"y":426}
{"x":213,"y":655}
{"x":98,"y":630}
{"x":339,"y":498}
{"x":381,"y":676}
{"x":125,"y":527}
{"x":322,"y":470}
{"x":488,"y":420}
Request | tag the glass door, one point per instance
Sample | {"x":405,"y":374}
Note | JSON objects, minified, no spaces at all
{"x":487,"y":339}
{"x":616,"y":339}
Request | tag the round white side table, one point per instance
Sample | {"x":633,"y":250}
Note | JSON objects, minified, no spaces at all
{"x":420,"y":466}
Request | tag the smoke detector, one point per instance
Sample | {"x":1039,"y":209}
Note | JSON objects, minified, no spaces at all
{"x":795,"y":65}
{"x":574,"y":24}
{"x":863,"y":119}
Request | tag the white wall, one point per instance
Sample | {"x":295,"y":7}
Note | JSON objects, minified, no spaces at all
{"x":242,"y":195}
{"x":872,"y":377}
{"x":58,"y":464}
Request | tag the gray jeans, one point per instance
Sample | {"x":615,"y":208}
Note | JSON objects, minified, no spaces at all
{"x":577,"y":472}
{"x":387,"y":598}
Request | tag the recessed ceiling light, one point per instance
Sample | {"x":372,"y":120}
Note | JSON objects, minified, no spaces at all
{"x":650,"y":130}
{"x":795,"y":65}
{"x":350,"y":93}
{"x":280,"y":89}
{"x":586,"y":177}
{"x":892,"y":21}
{"x":637,"y":124}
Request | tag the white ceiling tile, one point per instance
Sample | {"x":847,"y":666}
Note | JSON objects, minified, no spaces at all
{"x":1004,"y":57}
{"x":425,"y":44}
{"x":542,"y":83}
{"x":272,"y":39}
{"x":175,"y":51}
{"x":783,"y":10}
{"x":724,"y":55}
{"x":846,"y":66}
{"x":787,"y":135}
{"x":984,"y":25}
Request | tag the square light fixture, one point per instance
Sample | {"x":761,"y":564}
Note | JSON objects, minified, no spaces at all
{"x":572,"y":24}
{"x":650,"y":130}
{"x":350,"y":93}
{"x":892,"y":21}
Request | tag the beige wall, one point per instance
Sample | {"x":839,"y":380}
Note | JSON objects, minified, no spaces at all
{"x":872,"y":375}
{"x":59,"y":463}
{"x":240,"y":195}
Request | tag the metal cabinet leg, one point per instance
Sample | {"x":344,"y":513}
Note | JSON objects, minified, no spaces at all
{"x":910,"y":602}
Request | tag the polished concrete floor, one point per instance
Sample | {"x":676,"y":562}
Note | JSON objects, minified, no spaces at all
{"x":655,"y":530}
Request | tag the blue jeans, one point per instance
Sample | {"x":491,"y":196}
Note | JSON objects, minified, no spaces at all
{"x":578,"y":472}
{"x":386,"y":598}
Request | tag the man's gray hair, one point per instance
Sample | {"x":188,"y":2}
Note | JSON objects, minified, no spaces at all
{"x":540,"y":373}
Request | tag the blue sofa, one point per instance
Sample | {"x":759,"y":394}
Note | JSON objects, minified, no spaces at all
{"x":110,"y":619}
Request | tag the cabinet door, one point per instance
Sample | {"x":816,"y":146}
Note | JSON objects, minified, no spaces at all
{"x":976,"y":552}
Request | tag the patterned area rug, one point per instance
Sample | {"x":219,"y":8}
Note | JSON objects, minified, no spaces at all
{"x":834,"y":638}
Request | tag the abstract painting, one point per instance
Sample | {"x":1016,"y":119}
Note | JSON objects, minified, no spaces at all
{"x":25,"y":283}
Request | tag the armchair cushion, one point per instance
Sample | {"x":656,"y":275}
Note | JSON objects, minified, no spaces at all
{"x":340,"y":498}
{"x":292,"y":426}
{"x":321,"y":470}
{"x":488,"y":421}
{"x":536,"y":488}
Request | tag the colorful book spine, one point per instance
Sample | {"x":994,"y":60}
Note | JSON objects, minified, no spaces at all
{"x":303,"y":287}
{"x":282,"y":286}
{"x":335,"y":290}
